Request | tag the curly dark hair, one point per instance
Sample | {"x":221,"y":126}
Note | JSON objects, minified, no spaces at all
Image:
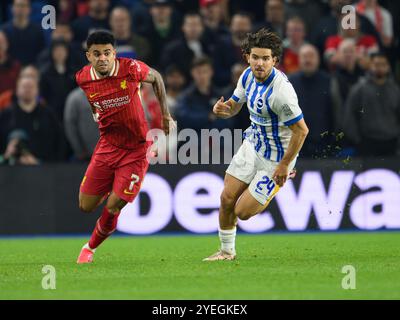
{"x":263,"y":38}
{"x":100,"y":37}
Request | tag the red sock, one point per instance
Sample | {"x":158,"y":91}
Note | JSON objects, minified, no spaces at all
{"x":105,"y":226}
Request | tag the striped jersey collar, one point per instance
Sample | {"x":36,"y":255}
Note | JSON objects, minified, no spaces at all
{"x":113,"y":72}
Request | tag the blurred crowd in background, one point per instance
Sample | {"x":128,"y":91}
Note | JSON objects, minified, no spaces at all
{"x":347,"y":80}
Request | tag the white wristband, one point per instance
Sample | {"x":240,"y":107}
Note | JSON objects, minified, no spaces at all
{"x":96,"y":117}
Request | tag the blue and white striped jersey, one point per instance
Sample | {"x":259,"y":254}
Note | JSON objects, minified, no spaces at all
{"x":273,"y":106}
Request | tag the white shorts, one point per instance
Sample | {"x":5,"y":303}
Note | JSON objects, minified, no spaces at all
{"x":251,"y":168}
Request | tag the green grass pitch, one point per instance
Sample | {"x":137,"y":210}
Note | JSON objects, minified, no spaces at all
{"x":269,"y":266}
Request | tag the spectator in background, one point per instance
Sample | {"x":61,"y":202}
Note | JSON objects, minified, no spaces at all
{"x":379,"y":17}
{"x":80,"y":129}
{"x":346,"y":74}
{"x":365,"y":45}
{"x":26,"y":39}
{"x":313,"y":88}
{"x":328,"y":25}
{"x":175,"y":82}
{"x":241,"y":120}
{"x":163,"y":29}
{"x":141,"y":17}
{"x":236,"y":71}
{"x":194,"y":109}
{"x":213,"y":16}
{"x":30,"y":71}
{"x":228,"y":50}
{"x":128,"y":43}
{"x":307,"y":10}
{"x":76,"y":57}
{"x":295,"y":38}
{"x":372,"y":120}
{"x":9,"y":70}
{"x":252,"y":6}
{"x":181,"y":52}
{"x":57,"y":78}
{"x":40,"y":126}
{"x":97,"y":18}
{"x":274,"y":17}
{"x":17,"y":151}
{"x":66,"y":11}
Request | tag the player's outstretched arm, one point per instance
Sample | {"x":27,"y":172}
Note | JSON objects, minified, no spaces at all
{"x":226,"y":109}
{"x":155,"y":78}
{"x":299,"y":134}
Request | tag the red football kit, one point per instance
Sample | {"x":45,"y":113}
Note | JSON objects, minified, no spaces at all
{"x":119,"y":160}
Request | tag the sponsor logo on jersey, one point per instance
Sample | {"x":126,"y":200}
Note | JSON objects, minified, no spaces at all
{"x":112,"y":103}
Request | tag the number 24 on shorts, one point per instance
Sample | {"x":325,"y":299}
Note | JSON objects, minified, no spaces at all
{"x":269,"y":183}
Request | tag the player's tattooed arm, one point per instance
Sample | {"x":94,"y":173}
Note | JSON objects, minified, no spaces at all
{"x":155,"y":78}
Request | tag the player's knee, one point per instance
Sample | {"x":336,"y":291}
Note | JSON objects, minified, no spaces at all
{"x":113,"y":210}
{"x":114,"y":207}
{"x":227,"y":200}
{"x":243,"y":214}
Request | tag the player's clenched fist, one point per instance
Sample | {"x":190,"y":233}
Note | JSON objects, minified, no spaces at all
{"x":221,"y":109}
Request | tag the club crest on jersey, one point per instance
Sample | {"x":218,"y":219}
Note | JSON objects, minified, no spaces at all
{"x":259,"y":105}
{"x":124,"y":86}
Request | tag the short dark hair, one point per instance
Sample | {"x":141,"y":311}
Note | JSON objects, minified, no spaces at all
{"x":245,"y":14}
{"x":100,"y":37}
{"x":172,"y":68}
{"x":201,"y":61}
{"x":378,"y":54}
{"x":192,"y":13}
{"x":263,"y":38}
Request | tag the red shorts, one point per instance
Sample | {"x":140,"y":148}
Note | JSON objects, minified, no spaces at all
{"x":115,"y":169}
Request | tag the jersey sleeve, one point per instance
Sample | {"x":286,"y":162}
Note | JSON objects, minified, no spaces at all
{"x":239,"y":94}
{"x":83,"y":75}
{"x":286,"y":105}
{"x":138,"y":70}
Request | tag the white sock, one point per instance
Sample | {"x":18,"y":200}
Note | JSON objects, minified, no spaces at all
{"x":227,"y":238}
{"x":86,"y":246}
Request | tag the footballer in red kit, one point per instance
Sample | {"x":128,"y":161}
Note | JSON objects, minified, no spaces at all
{"x":119,"y":162}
